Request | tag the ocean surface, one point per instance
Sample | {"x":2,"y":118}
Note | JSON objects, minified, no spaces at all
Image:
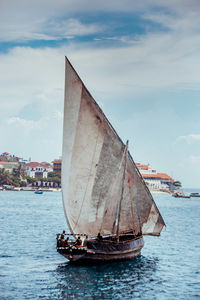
{"x":31,"y":268}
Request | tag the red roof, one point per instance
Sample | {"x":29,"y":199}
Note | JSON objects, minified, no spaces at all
{"x":56,"y":162}
{"x":142,"y":167}
{"x":158,"y":176}
{"x":8,"y":163}
{"x":46,"y":163}
{"x":35,"y":165}
{"x":5,"y":153}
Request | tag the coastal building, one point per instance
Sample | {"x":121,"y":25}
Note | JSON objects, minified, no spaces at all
{"x":157,"y":181}
{"x":8,"y":166}
{"x":57,"y":165}
{"x":48,"y":166}
{"x":38,"y":170}
{"x":6,"y":156}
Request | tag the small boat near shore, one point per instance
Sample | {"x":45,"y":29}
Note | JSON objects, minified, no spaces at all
{"x":107,"y":205}
{"x":194,"y":195}
{"x":178,"y":195}
{"x":38,"y":192}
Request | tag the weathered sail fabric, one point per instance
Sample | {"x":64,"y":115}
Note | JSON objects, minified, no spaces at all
{"x":149,"y":217}
{"x":102,"y":188}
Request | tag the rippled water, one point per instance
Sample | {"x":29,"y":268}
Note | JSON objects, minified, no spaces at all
{"x":30,"y":267}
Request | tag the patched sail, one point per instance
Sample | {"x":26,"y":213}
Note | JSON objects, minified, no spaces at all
{"x":102,"y":189}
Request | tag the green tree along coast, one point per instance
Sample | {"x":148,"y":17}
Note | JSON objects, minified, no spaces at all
{"x":18,"y":178}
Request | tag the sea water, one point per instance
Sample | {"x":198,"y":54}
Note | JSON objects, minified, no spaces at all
{"x":31,"y":268}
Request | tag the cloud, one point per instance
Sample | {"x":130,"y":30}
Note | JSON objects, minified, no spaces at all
{"x":155,"y":62}
{"x":123,"y":39}
{"x":176,"y":20}
{"x":49,"y":20}
{"x":73,"y":27}
{"x":41,"y":139}
{"x":158,"y":63}
{"x":194,"y":160}
{"x":190,"y":138}
{"x":58,"y":115}
{"x":48,"y":30}
{"x":27,"y":125}
{"x":31,"y":76}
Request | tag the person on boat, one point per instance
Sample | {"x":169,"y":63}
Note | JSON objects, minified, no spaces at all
{"x":62,"y":237}
{"x":99,"y":236}
{"x":65,"y":242}
{"x":78,"y":242}
{"x":58,"y":240}
{"x":84,"y":243}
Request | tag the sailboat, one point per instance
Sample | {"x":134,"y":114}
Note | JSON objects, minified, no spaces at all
{"x":107,"y":205}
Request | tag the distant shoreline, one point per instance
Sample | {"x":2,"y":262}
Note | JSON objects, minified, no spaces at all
{"x":31,"y":190}
{"x":159,"y":192}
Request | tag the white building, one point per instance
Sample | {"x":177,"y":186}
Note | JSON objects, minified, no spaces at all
{"x":38,"y":170}
{"x":8,"y":166}
{"x":156,"y":181}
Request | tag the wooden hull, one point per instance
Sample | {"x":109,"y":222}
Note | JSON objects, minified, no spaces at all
{"x":119,"y":251}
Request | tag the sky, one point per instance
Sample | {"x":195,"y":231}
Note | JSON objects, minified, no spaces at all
{"x":139,"y":59}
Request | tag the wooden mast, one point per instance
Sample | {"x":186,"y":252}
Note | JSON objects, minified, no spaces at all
{"x":122,"y":191}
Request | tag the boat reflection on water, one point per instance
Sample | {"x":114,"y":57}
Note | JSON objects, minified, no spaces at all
{"x":106,"y":280}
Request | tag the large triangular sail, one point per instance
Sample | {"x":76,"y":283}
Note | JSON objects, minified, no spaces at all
{"x":96,"y":173}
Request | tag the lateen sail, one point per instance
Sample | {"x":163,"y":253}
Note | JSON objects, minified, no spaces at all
{"x":98,"y":175}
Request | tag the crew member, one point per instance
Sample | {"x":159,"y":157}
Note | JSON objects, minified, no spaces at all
{"x":63,"y":235}
{"x":99,"y":237}
{"x":78,"y":243}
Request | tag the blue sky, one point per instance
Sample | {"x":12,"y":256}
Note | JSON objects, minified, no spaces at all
{"x":139,"y":59}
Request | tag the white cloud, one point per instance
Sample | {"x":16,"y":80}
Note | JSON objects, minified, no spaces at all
{"x":190,"y":138}
{"x":124,"y":39}
{"x":194,"y":160}
{"x":159,"y":61}
{"x":50,"y":7}
{"x":154,"y":62}
{"x":48,"y":30}
{"x":182,"y":21}
{"x":41,"y":139}
{"x":73,"y":27}
{"x":30,"y":124}
{"x":58,"y":115}
{"x":27,"y":125}
{"x":51,"y":20}
{"x":30,"y":76}
{"x":31,"y":98}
